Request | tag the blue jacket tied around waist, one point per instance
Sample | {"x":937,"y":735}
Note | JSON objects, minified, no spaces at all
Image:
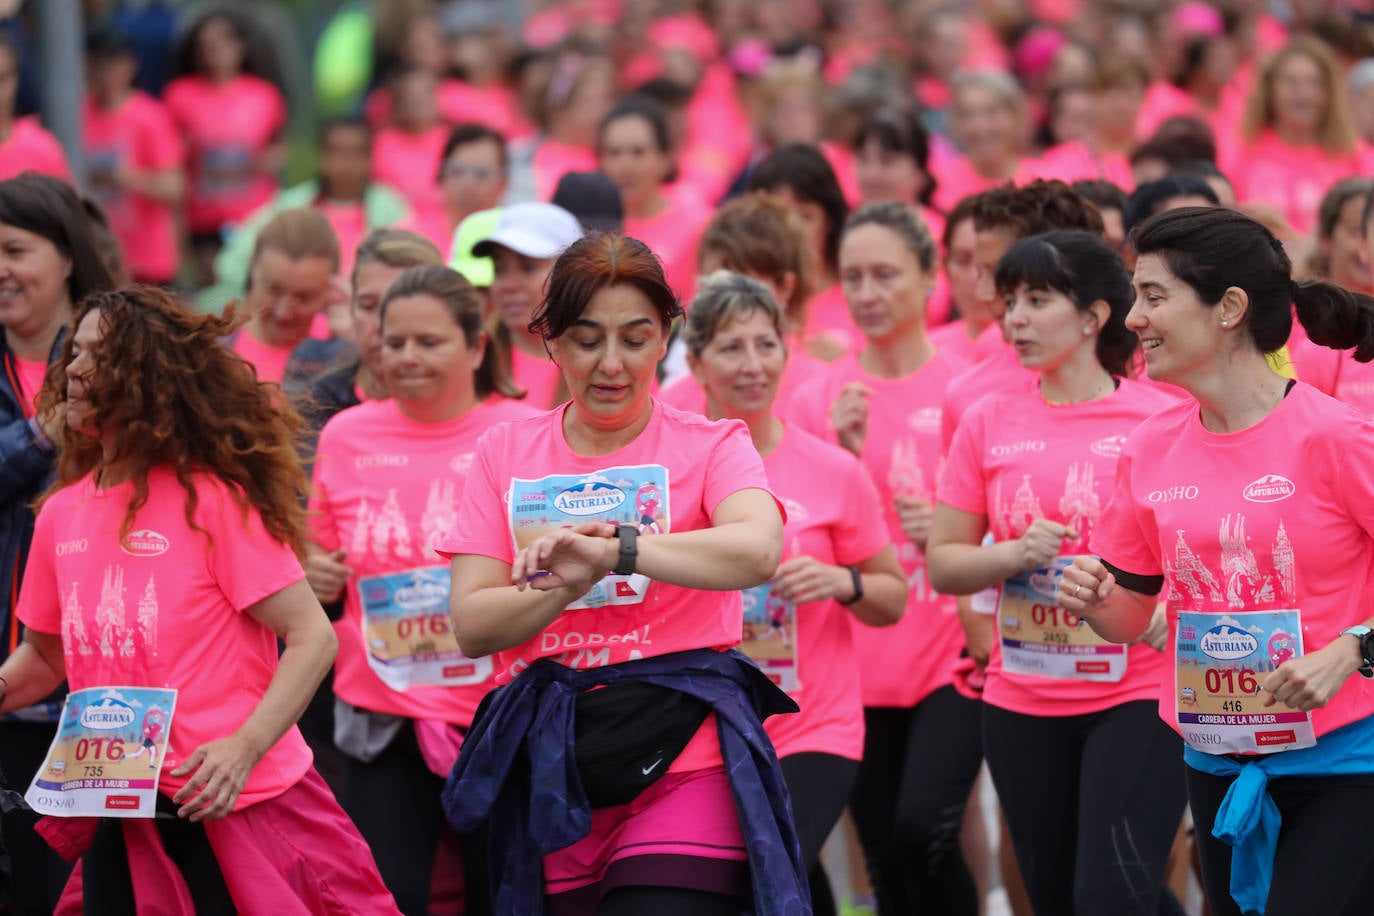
{"x":536,"y":806}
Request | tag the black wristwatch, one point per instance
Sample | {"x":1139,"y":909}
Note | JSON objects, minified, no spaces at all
{"x":629,"y":550}
{"x":858,"y":586}
{"x":1366,"y":637}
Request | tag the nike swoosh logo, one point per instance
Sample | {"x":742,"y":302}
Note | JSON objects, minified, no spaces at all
{"x":651,"y":767}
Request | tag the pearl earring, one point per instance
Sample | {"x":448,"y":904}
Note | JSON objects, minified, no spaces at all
{"x":1087,"y":331}
{"x":1225,"y":323}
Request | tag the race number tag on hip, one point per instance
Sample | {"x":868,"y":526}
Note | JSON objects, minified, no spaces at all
{"x":770,"y":635}
{"x":627,"y":495}
{"x":1222,"y":660}
{"x":407,"y":633}
{"x":108,"y":754}
{"x":1039,"y":637}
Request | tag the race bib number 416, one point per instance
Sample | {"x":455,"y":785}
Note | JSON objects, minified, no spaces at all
{"x":108,"y":754}
{"x":1222,"y":660}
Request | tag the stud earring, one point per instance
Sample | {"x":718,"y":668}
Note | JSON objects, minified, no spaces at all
{"x":1225,"y":323}
{"x":1087,"y":331}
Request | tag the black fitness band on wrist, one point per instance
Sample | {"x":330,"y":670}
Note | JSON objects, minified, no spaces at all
{"x":858,"y":586}
{"x":629,"y":550}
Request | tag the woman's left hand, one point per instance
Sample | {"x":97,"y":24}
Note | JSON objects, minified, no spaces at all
{"x":220,"y":771}
{"x":803,"y":579}
{"x":574,"y":558}
{"x":1309,"y":682}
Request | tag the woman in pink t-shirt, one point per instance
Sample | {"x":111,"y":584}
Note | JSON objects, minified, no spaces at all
{"x":800,"y":177}
{"x":1252,"y":502}
{"x":634,"y":150}
{"x":24,"y":145}
{"x":571,"y":93}
{"x":232,"y":121}
{"x":388,"y":478}
{"x":1030,"y":466}
{"x":971,"y":315}
{"x":627,"y":528}
{"x":988,"y":123}
{"x":756,"y":236}
{"x":160,"y":504}
{"x":1297,"y":138}
{"x":883,"y":405}
{"x":838,"y":559}
{"x":408,"y":153}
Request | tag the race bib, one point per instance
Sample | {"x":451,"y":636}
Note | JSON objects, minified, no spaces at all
{"x":635,"y":495}
{"x":1222,"y":660}
{"x":406,"y":629}
{"x":770,"y":635}
{"x":1041,"y":638}
{"x":108,"y":754}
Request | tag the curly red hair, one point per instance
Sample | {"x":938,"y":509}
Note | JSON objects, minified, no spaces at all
{"x":166,"y":391}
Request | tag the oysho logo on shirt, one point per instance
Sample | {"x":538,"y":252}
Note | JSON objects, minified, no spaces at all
{"x":1172,"y":494}
{"x":1109,"y":447}
{"x":363,"y":462}
{"x":145,"y":543}
{"x":925,"y":420}
{"x":1018,"y":448}
{"x":1269,"y":489}
{"x":80,"y":545}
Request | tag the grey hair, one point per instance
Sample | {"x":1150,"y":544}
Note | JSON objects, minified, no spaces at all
{"x":1361,"y":76}
{"x":722,"y":297}
{"x":998,"y":81}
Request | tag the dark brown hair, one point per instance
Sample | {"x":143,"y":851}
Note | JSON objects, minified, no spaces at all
{"x":593,"y":263}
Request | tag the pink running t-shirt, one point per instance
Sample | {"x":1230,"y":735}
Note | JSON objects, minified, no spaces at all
{"x":31,"y":374}
{"x":410,"y":164}
{"x":903,"y":664}
{"x":137,"y":136}
{"x":1280,"y":515}
{"x":1075,"y":161}
{"x":1291,"y":179}
{"x":539,"y":376}
{"x":31,"y":148}
{"x":386,"y":489}
{"x":552,"y":160}
{"x":270,"y":361}
{"x":827,"y":315}
{"x":226,"y":127}
{"x":106,"y":599}
{"x":525,"y":482}
{"x":1017,"y":458}
{"x":998,"y":370}
{"x":953,"y":338}
{"x":956,"y":179}
{"x":833,"y":516}
{"x":672,"y":235}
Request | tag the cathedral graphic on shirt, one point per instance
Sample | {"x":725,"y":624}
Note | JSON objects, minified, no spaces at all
{"x":382,"y":532}
{"x":118,"y":635}
{"x":1243,"y":579}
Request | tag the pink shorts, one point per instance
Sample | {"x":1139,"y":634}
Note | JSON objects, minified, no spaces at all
{"x":682,"y":831}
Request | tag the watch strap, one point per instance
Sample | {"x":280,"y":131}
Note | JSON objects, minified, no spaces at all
{"x":858,"y":586}
{"x":1365,"y":636}
{"x":628,"y":535}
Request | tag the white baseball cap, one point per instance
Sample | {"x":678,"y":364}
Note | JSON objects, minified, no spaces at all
{"x":535,"y":230}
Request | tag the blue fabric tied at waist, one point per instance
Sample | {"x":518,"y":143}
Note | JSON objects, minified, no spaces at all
{"x":517,"y":772}
{"x":1249,"y":821}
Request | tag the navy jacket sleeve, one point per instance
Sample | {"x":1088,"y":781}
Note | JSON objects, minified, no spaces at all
{"x":24,"y":460}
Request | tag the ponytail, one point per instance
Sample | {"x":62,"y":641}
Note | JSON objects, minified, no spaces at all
{"x":1335,"y":317}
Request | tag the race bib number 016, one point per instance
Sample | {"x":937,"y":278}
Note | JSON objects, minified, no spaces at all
{"x":1222,"y":660}
{"x":630,"y":495}
{"x":108,"y":754}
{"x":406,"y":629}
{"x":770,"y":635}
{"x":1041,"y":638}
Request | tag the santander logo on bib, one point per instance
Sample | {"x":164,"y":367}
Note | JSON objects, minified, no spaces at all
{"x":1269,"y":489}
{"x":145,"y":543}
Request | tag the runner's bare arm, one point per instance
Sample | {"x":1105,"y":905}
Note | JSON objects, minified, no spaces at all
{"x":34,"y":670}
{"x":957,"y":560}
{"x":1118,"y":614}
{"x":490,"y":614}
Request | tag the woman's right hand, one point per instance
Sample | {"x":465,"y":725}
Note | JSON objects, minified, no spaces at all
{"x":1086,"y":583}
{"x":849,"y":417}
{"x":327,"y":573}
{"x":1042,"y":542}
{"x":575,"y":558}
{"x":54,"y":421}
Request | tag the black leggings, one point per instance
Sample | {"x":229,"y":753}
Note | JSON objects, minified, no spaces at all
{"x":394,"y":801}
{"x":819,"y":785}
{"x":908,"y":803}
{"x":668,"y":901}
{"x":1093,"y":803}
{"x":1325,"y":861}
{"x":107,"y":887}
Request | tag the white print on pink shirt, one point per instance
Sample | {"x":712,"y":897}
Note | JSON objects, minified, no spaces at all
{"x":1247,"y":586}
{"x":904,"y":475}
{"x":117,"y":636}
{"x":1080,"y":505}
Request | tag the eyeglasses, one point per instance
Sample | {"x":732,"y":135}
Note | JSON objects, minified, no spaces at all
{"x":475,"y":172}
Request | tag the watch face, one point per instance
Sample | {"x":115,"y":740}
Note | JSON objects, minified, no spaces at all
{"x":1367,"y":647}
